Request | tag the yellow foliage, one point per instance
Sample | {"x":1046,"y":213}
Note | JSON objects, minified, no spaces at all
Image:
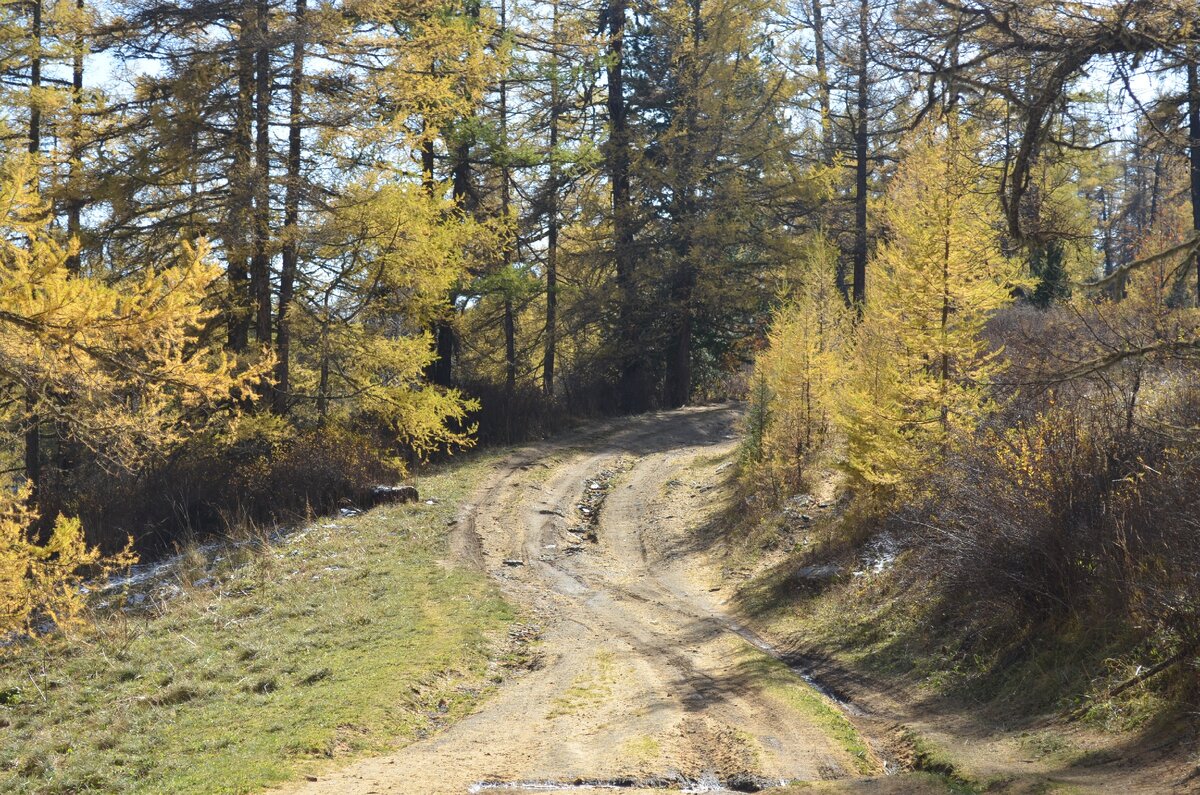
{"x":397,"y":252}
{"x":921,"y":366}
{"x":436,"y":64}
{"x":1026,"y":455}
{"x":118,"y":364}
{"x":44,"y":580}
{"x":802,"y":365}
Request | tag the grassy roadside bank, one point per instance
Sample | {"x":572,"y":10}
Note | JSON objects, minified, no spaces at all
{"x":963,"y":715}
{"x":340,"y":639}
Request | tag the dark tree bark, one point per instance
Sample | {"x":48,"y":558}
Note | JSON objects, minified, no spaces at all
{"x":437,"y":372}
{"x":260,"y":266}
{"x":679,"y":365}
{"x":823,"y":92}
{"x":1193,"y":84}
{"x":510,"y":323}
{"x":74,"y":199}
{"x":1110,"y":263}
{"x":291,"y":215}
{"x":428,"y":162}
{"x":632,"y":392}
{"x":441,"y":370}
{"x":552,"y":211}
{"x":861,"y":166}
{"x":33,"y":430}
{"x":241,"y":187}
{"x":67,"y":451}
{"x":510,"y":349}
{"x":35,"y":77}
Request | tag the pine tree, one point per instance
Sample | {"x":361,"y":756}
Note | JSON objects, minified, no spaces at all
{"x":716,"y":184}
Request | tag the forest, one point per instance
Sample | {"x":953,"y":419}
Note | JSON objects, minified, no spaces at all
{"x":261,"y":256}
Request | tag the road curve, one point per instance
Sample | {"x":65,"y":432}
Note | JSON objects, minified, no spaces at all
{"x":640,"y":680}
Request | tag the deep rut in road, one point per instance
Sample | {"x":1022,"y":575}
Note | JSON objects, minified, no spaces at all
{"x":643,"y":683}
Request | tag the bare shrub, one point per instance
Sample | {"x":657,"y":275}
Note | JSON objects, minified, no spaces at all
{"x":1060,"y":514}
{"x":216,"y":484}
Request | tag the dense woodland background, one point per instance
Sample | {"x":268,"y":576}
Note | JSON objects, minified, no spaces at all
{"x":259,"y":256}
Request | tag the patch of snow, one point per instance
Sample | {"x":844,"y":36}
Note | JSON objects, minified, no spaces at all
{"x":879,"y":555}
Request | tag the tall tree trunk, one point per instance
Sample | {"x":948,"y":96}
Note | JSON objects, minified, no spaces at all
{"x":823,"y":92}
{"x":291,"y":215}
{"x":74,"y":198}
{"x":323,"y":379}
{"x":441,"y":371}
{"x":951,"y":178}
{"x":461,"y":173}
{"x":1194,"y":154}
{"x":241,"y":186}
{"x":438,"y":371}
{"x":67,"y":451}
{"x":510,"y":323}
{"x":1155,"y":191}
{"x":552,"y":210}
{"x":428,"y":161}
{"x":861,"y":141}
{"x":260,"y":265}
{"x":679,"y":366}
{"x":35,"y":77}
{"x":33,"y":429}
{"x":510,"y":349}
{"x":631,"y":387}
{"x":1106,"y":225}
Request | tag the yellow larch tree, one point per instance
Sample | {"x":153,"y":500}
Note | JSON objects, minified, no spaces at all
{"x":392,"y":257}
{"x":919,"y":376}
{"x":119,"y":366}
{"x":802,"y":366}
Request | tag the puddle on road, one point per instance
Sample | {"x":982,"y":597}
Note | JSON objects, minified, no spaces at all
{"x":707,"y":783}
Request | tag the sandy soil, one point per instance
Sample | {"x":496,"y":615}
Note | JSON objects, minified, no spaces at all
{"x":639,"y":678}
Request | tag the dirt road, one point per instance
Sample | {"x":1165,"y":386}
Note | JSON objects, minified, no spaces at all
{"x":639,"y":679}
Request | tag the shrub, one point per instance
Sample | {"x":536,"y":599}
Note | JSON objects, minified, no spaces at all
{"x":1060,"y":516}
{"x":260,"y":471}
{"x":505,"y":418}
{"x":796,"y":385}
{"x":42,"y":581}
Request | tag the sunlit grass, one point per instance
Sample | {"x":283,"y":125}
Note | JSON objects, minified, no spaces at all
{"x":348,"y":639}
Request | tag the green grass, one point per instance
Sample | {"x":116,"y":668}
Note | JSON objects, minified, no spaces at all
{"x":589,"y":689}
{"x":641,"y":750}
{"x":780,"y":681}
{"x":348,"y":640}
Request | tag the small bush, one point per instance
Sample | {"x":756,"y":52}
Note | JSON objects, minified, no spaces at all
{"x":40,"y":583}
{"x":505,"y":418}
{"x":259,"y":473}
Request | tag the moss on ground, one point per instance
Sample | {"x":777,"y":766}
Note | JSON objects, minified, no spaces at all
{"x":341,"y":640}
